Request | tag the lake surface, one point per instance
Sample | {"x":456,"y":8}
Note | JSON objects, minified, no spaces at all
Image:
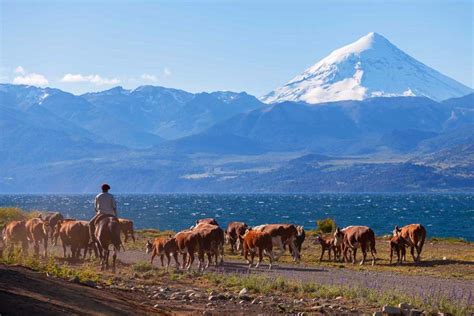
{"x":443,"y":215}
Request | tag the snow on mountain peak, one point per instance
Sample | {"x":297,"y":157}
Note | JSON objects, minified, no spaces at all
{"x":368,"y":67}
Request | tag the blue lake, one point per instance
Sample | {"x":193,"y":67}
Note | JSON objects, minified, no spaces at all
{"x":444,"y":215}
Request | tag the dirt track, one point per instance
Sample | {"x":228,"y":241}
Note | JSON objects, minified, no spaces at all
{"x":25,"y":292}
{"x":434,"y":287}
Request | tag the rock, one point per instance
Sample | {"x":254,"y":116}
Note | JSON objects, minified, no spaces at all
{"x":391,"y":310}
{"x":244,"y":291}
{"x":334,"y":306}
{"x":255,"y":301}
{"x":212,"y":298}
{"x":156,"y":306}
{"x":317,"y":308}
{"x":444,"y":258}
{"x":377,"y":314}
{"x":74,"y":279}
{"x":90,"y":283}
{"x":241,"y":302}
{"x":405,"y":306}
{"x":209,"y":304}
{"x":163,"y":289}
{"x":339,"y":298}
{"x":415,"y":312}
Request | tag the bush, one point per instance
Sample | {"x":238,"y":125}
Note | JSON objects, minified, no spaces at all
{"x":325,"y":226}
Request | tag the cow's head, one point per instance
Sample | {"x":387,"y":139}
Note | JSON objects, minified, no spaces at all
{"x":318,"y":240}
{"x":396,"y":230}
{"x":149,"y":247}
{"x":338,"y":236}
{"x":300,"y":230}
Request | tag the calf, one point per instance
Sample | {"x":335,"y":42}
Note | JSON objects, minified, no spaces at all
{"x":37,"y":232}
{"x":234,"y":233}
{"x":353,"y":237}
{"x":126,"y":227}
{"x":261,"y":242}
{"x":397,"y":243}
{"x":187,"y":243}
{"x":282,"y":234}
{"x":414,"y":236}
{"x":163,"y":246}
{"x":13,"y":233}
{"x":327,"y":244}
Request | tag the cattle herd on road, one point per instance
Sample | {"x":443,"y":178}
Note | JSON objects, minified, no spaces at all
{"x":206,"y":239}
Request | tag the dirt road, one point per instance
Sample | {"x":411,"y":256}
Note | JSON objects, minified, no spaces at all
{"x":435,"y":288}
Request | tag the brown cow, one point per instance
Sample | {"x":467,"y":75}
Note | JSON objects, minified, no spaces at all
{"x":353,"y":237}
{"x":256,"y":241}
{"x":414,"y":236}
{"x":327,"y":244}
{"x":163,"y":246}
{"x":397,"y":243}
{"x":234,"y":233}
{"x":211,"y":221}
{"x":107,"y":233}
{"x":187,"y":243}
{"x":126,"y":227}
{"x":37,"y":232}
{"x":282,"y":234}
{"x":52,"y":218}
{"x":74,"y":234}
{"x":212,"y":242}
{"x":15,"y":232}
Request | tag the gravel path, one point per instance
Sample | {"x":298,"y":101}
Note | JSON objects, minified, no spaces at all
{"x":426,"y":287}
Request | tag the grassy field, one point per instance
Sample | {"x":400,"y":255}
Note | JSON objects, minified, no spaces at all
{"x":445,"y":258}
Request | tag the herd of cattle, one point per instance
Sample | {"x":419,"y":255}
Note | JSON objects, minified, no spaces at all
{"x":205,"y":239}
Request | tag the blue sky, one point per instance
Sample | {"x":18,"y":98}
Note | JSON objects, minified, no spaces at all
{"x":251,"y":46}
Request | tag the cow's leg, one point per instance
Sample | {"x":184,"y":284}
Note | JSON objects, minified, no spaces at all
{"x":354,"y":252}
{"x":270,"y":258}
{"x":277,"y":242}
{"x":191,"y":259}
{"x":412,"y":251}
{"x":252,"y":256}
{"x":133,"y":236}
{"x":323,"y":250}
{"x":260,"y":257}
{"x":175,"y":257}
{"x":153,"y":255}
{"x":294,"y":251}
{"x":162,"y":260}
{"x":246,"y":253}
{"x":185,"y":257}
{"x":363,"y":247}
{"x":114,"y":259}
{"x":209,"y":259}
{"x":329,"y":253}
{"x":45,"y":240}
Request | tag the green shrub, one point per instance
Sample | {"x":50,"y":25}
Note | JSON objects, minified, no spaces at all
{"x":142,"y":266}
{"x":8,"y":214}
{"x":325,"y":226}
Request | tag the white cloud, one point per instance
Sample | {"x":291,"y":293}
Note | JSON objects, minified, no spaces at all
{"x":20,"y":70}
{"x":149,"y":78}
{"x":166,"y":72}
{"x":32,"y":79}
{"x":95,"y":79}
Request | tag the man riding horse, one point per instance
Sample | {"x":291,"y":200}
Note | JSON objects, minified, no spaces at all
{"x":105,"y":206}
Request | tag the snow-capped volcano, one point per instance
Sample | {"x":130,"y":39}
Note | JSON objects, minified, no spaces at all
{"x":369,"y":67}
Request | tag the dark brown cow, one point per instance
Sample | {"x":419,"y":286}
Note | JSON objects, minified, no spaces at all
{"x":163,"y":246}
{"x":211,"y":221}
{"x":52,"y":218}
{"x":353,"y":237}
{"x":234,"y":233}
{"x":74,"y":234}
{"x":257,"y":242}
{"x":397,"y":244}
{"x":212,"y":242}
{"x":37,"y":232}
{"x":327,"y":244}
{"x":187,"y":243}
{"x":282,"y":234}
{"x":126,"y":227}
{"x":107,"y":233}
{"x":13,"y":233}
{"x":414,"y":236}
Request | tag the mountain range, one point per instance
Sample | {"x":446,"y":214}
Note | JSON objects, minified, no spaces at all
{"x":156,"y":139}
